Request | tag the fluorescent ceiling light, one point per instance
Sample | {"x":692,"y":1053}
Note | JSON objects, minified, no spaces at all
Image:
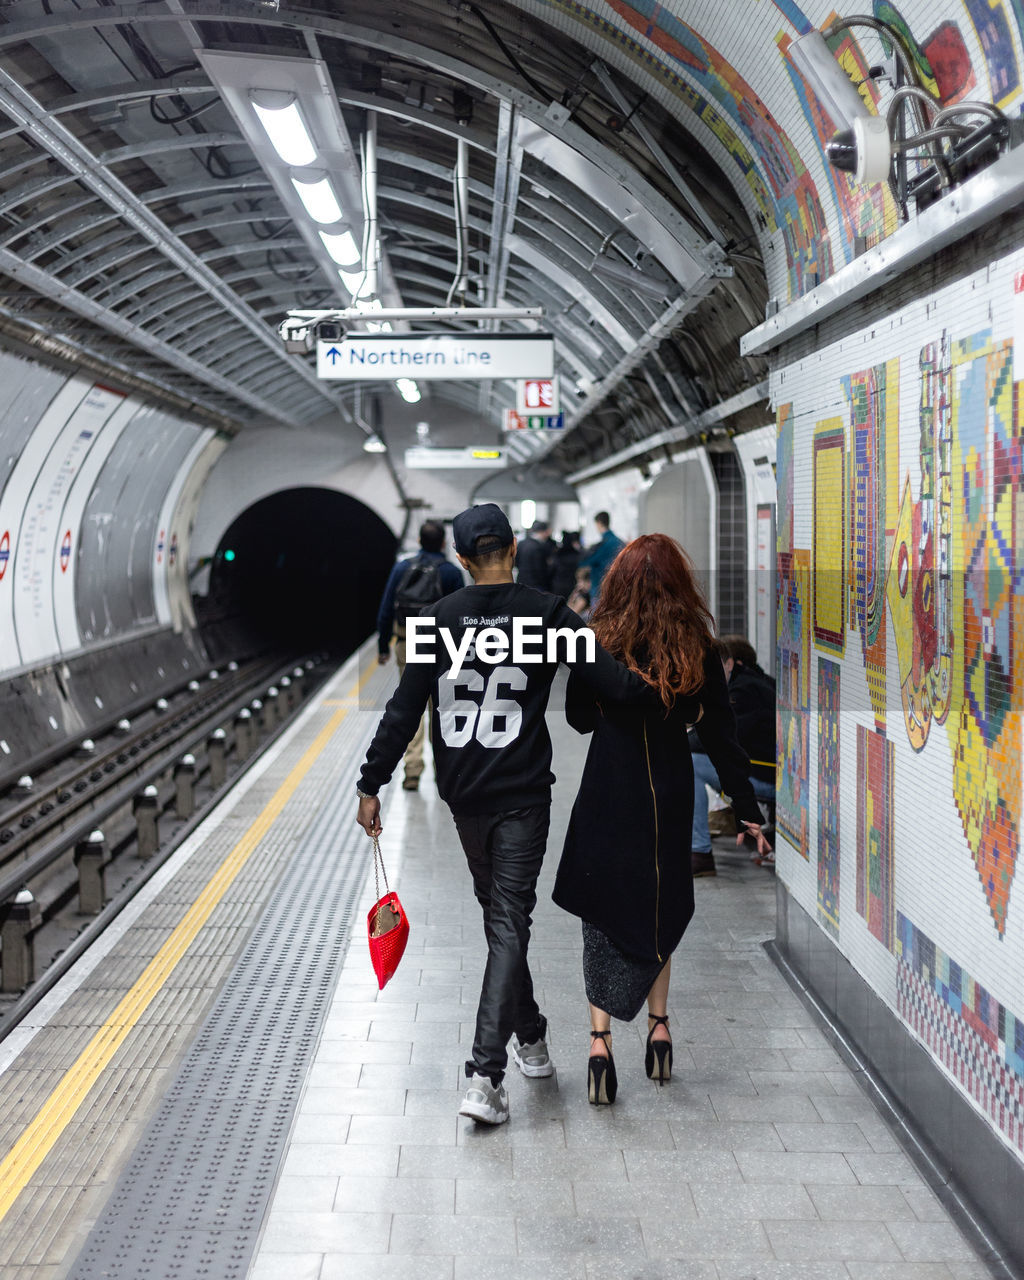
{"x":342,"y":248}
{"x":318,"y":199}
{"x":374,"y":444}
{"x":352,"y":280}
{"x":408,"y":390}
{"x":279,"y":115}
{"x":378,"y":326}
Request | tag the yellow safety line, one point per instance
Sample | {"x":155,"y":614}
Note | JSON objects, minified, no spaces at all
{"x":59,"y":1109}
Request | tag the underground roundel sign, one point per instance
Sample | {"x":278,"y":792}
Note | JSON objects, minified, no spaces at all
{"x":5,"y":552}
{"x":65,"y":552}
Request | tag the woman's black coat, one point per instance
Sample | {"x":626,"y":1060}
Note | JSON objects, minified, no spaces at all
{"x":625,"y":866}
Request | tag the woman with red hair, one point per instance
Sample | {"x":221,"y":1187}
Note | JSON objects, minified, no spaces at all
{"x":625,"y":868}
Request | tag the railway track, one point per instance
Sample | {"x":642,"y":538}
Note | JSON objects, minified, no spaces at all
{"x":78,"y":840}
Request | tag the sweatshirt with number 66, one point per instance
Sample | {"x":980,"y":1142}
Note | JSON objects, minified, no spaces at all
{"x":492,"y":752}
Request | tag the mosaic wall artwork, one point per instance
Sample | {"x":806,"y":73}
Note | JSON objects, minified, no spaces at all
{"x":992,"y":26}
{"x":873,"y":397}
{"x":828,"y":795}
{"x":828,"y":546}
{"x":793,"y":659}
{"x":988,"y":683}
{"x":875,"y":769}
{"x":977,"y":1039}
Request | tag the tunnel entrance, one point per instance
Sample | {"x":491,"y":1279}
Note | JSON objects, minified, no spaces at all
{"x":298,"y":571}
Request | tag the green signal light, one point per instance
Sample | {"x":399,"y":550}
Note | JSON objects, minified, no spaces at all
{"x":229,"y":555}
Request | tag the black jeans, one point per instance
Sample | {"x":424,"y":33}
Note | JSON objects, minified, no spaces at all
{"x":505,"y":852}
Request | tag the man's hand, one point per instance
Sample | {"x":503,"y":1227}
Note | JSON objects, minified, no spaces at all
{"x":368,"y":816}
{"x":382,"y":659}
{"x":753,"y":829}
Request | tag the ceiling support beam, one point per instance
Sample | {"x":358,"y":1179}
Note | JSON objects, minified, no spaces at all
{"x":29,"y":114}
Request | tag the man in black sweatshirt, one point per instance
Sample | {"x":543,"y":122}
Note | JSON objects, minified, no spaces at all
{"x":486,"y":655}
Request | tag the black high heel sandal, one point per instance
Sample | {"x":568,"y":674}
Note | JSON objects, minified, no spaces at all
{"x":658,"y":1059}
{"x":602,"y":1083}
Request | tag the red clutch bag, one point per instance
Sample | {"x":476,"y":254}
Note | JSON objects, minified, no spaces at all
{"x":387,"y":925}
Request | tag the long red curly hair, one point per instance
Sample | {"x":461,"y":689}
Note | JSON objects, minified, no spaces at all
{"x":653,"y":617}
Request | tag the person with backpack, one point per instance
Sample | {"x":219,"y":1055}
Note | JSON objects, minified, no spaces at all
{"x":414,"y":583}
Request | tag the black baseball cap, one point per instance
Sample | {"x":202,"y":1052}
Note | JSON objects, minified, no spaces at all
{"x":484,"y":521}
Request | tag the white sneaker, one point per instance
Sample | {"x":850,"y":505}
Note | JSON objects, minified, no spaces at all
{"x":533,"y":1060}
{"x":484,"y":1102}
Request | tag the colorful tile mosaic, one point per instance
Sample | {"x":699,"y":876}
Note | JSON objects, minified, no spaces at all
{"x":977,"y":1039}
{"x":920,"y":582}
{"x":875,"y":770}
{"x":828,"y":554}
{"x":873,"y":397}
{"x":988,"y":682}
{"x":828,"y":795}
{"x":793,"y":662}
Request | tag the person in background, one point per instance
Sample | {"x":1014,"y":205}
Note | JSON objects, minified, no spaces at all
{"x":752,"y":695}
{"x":598,"y":558}
{"x":579,"y":597}
{"x":567,"y":557}
{"x":533,"y":559}
{"x":492,"y":753}
{"x":414,"y":583}
{"x":625,"y":867}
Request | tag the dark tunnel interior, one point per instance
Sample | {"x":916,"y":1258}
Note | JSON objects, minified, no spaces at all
{"x":299,"y":571}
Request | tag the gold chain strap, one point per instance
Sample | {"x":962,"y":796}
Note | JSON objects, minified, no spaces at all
{"x":377,"y":858}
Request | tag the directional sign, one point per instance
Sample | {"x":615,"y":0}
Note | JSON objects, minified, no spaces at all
{"x":5,"y":552}
{"x":514,"y":421}
{"x":429,"y":457}
{"x":436,"y":356}
{"x":65,"y":552}
{"x":160,"y":548}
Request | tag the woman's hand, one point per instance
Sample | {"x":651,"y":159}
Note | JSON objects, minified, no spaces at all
{"x":753,"y":829}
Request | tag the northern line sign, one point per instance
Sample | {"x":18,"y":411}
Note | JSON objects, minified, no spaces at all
{"x":437,"y":356}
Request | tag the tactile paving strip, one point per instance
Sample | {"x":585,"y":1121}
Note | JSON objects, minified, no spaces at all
{"x":191,"y":1201}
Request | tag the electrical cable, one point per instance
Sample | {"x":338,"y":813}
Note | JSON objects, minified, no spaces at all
{"x":535,"y":85}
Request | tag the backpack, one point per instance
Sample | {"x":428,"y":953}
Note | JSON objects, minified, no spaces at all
{"x":418,"y":586}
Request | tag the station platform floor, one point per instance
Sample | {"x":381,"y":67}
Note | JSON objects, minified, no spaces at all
{"x":221,"y":1090}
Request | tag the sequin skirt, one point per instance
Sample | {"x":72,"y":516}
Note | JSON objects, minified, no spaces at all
{"x":615,"y":982}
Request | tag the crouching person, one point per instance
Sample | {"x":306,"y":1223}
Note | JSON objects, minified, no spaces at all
{"x":493,"y":763}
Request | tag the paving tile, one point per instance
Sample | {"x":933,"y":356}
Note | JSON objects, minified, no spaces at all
{"x":931,"y":1242}
{"x":868,"y":1204}
{"x":455,"y":1162}
{"x":314,"y":1192}
{"x":521,"y":1131}
{"x":554,"y":1162}
{"x":293,"y":1232}
{"x":360,"y":1051}
{"x":806,"y":1082}
{"x":334,"y":1075}
{"x":906,"y":1271}
{"x":604,"y":1128}
{"x":635,"y":1199}
{"x":823,"y":1136}
{"x":831,"y":1241}
{"x":683,"y":1166}
{"x":589,"y":1236}
{"x":752,"y":1201}
{"x":515,"y":1197}
{"x":332,"y":1129}
{"x":394,"y":1195}
{"x":761,"y":1269}
{"x":525,"y":1269}
{"x":385,"y":1267}
{"x":667,"y":1238}
{"x":305,"y":1159}
{"x":366,"y":1101}
{"x":787,"y":1108}
{"x":835,"y":1109}
{"x":454,"y":1234}
{"x":819,"y":1058}
{"x":385,"y":1075}
{"x":431,"y":1131}
{"x":795,"y":1166}
{"x":724,"y":1135}
{"x":884,"y":1169}
{"x":652,"y":1269}
{"x":286,"y":1266}
{"x":925,"y":1204}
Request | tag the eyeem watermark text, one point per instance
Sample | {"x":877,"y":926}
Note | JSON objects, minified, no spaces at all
{"x":529,"y":642}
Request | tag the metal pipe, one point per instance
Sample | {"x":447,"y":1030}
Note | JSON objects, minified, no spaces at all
{"x":461,"y":194}
{"x":370,"y":288}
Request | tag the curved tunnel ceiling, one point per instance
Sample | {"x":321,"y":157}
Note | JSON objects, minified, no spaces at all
{"x":138,"y":227}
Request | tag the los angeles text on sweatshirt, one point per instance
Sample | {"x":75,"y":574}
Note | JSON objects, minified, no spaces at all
{"x":492,"y":752}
